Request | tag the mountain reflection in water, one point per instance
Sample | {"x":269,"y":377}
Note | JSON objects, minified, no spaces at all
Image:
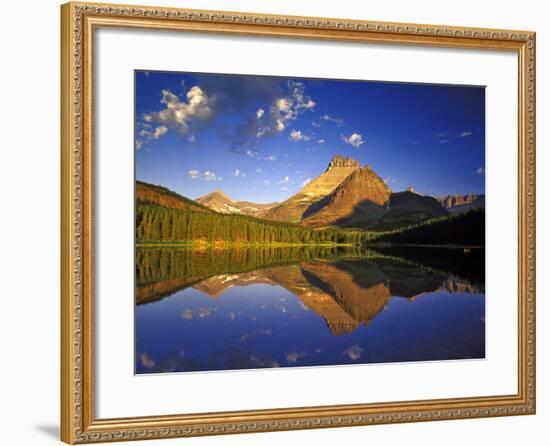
{"x":220,"y":309}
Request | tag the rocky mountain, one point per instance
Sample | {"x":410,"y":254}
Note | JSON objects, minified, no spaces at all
{"x":358,"y":201}
{"x":462,"y":203}
{"x":337,"y":171}
{"x":408,"y":207}
{"x":218,"y":201}
{"x":348,"y":195}
{"x":345,"y":195}
{"x":294,"y":208}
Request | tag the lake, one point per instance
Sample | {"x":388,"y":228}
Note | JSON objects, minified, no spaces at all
{"x":247,"y":308}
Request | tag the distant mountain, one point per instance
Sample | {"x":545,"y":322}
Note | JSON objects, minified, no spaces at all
{"x":348,"y":195}
{"x":220,"y":202}
{"x":150,"y":193}
{"x":407,"y":208}
{"x":463,"y":203}
{"x":358,"y":201}
{"x":294,"y":208}
{"x":345,"y":195}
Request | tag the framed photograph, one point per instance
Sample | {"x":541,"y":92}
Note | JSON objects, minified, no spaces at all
{"x":274,"y":223}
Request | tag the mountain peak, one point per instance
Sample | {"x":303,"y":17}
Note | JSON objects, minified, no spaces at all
{"x":339,"y":161}
{"x":358,"y":200}
{"x":220,"y":193}
{"x":338,"y":170}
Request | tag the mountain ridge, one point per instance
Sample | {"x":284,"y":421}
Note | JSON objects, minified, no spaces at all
{"x":462,"y":203}
{"x":358,"y":200}
{"x":219,"y":201}
{"x":345,"y":195}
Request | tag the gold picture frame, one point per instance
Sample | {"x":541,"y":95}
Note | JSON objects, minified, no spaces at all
{"x":78,"y":24}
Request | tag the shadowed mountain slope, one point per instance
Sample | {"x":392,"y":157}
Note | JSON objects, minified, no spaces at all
{"x":407,"y":208}
{"x":358,"y":201}
{"x":294,"y":208}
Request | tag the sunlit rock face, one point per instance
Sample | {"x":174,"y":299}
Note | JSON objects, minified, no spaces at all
{"x":358,"y":201}
{"x":294,"y":208}
{"x":337,"y":171}
{"x":463,"y":203}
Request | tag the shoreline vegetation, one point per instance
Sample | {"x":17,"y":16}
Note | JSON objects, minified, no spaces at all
{"x":223,"y":245}
{"x":164,"y":218}
{"x":159,"y":227}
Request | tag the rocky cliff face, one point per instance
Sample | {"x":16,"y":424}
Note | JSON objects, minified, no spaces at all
{"x":337,"y":171}
{"x":358,"y":201}
{"x":451,"y":201}
{"x":294,"y":208}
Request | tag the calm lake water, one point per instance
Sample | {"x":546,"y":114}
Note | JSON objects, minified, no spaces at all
{"x":226,"y":309}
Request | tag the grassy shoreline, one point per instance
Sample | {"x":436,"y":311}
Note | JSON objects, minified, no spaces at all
{"x":232,"y":245}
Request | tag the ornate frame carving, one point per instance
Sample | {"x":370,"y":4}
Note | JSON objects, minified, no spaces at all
{"x":78,"y":424}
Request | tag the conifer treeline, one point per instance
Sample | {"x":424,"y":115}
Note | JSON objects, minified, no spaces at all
{"x":161,"y":224}
{"x":458,"y":229}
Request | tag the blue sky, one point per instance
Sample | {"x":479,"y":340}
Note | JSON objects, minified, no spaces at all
{"x":261,"y":138}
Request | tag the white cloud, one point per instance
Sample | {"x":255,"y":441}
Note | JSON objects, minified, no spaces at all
{"x":337,"y":121}
{"x":195,"y":174}
{"x":149,"y":133}
{"x":465,"y":133}
{"x":284,"y":183}
{"x":159,"y":131}
{"x":237,"y":173}
{"x":443,"y":141}
{"x":283,"y":109}
{"x":258,"y":170}
{"x":267,"y":183}
{"x":297,"y":135}
{"x":180,"y":115}
{"x":354,"y":352}
{"x":293,"y":357}
{"x":146,"y":361}
{"x":320,"y":141}
{"x":305,"y":182}
{"x":355,"y":139}
{"x":480,"y":170}
{"x":257,"y":156}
